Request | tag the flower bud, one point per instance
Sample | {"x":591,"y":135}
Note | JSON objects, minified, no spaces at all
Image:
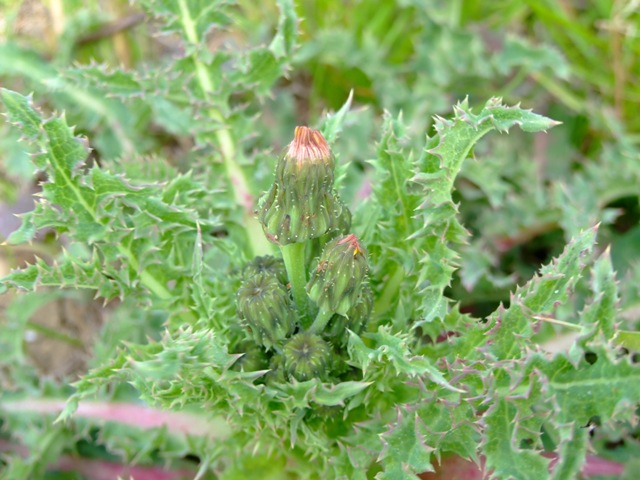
{"x":264,"y":304}
{"x":307,"y":356}
{"x":337,"y":282}
{"x":355,"y":319}
{"x":266,"y":264}
{"x":301,"y":203}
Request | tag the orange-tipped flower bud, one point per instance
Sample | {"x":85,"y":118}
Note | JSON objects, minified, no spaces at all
{"x":301,"y":203}
{"x":337,"y":282}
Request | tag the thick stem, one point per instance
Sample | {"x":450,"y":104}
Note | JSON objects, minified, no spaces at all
{"x":294,"y":262}
{"x":321,"y":321}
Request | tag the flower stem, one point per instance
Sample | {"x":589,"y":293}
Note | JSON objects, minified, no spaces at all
{"x":294,"y":262}
{"x":321,"y":321}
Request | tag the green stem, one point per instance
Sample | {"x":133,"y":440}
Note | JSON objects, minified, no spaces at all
{"x":293,"y":256}
{"x":321,"y":321}
{"x":54,"y":334}
{"x":259,"y":245}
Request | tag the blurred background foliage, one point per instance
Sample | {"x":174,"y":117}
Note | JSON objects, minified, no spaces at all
{"x":575,"y":61}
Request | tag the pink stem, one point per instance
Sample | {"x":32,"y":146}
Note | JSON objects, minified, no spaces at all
{"x":102,"y":469}
{"x":457,"y":468}
{"x":140,"y":416}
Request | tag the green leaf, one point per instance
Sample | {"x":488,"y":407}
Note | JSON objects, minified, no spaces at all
{"x":337,"y":394}
{"x":88,"y":104}
{"x":392,"y":350}
{"x":92,"y":208}
{"x":573,"y":452}
{"x":592,"y":388}
{"x":332,"y":125}
{"x":286,"y":36}
{"x":505,"y":458}
{"x":510,"y":329}
{"x":629,"y":340}
{"x":602,"y":311}
{"x":192,"y":18}
{"x":20,"y":112}
{"x":260,"y":71}
{"x":404,"y":454}
{"x":518,"y":52}
{"x":438,"y":168}
{"x":387,"y":222}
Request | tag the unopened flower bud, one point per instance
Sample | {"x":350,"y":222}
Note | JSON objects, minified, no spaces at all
{"x":355,"y":319}
{"x":266,"y":264}
{"x":338,"y":280}
{"x":301,"y":203}
{"x":264,"y":304}
{"x":307,"y":356}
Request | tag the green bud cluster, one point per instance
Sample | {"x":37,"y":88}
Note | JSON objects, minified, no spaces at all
{"x":302,"y":203}
{"x":264,"y":304}
{"x":337,"y":282}
{"x":277,"y":298}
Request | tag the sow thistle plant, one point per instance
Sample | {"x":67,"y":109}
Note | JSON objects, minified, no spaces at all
{"x":289,"y":337}
{"x":305,"y":374}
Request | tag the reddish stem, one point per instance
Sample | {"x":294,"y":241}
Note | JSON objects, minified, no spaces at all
{"x":140,"y":416}
{"x":101,"y":469}
{"x":457,"y":468}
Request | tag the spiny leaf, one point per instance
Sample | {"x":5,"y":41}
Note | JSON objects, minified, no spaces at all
{"x":404,"y":454}
{"x":284,"y":42}
{"x":20,"y":112}
{"x":69,"y":272}
{"x":602,"y":312}
{"x":387,"y":222}
{"x":192,"y":18}
{"x":590,"y":389}
{"x":88,"y":104}
{"x":337,"y":394}
{"x":505,"y":458}
{"x":573,"y":452}
{"x":393,"y":350}
{"x":100,"y":208}
{"x":438,"y":168}
{"x":510,"y":329}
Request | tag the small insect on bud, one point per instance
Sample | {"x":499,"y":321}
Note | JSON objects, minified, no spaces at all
{"x":301,"y":203}
{"x":307,"y":356}
{"x":264,"y":304}
{"x":338,"y":280}
{"x":265,"y":264}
